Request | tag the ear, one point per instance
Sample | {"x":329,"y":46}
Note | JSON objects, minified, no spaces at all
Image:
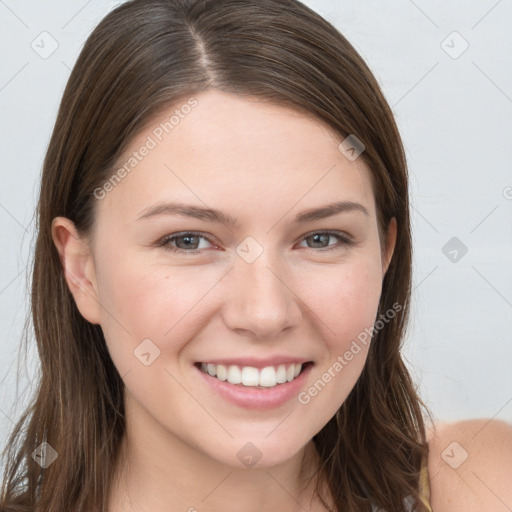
{"x":78,"y":267}
{"x":389,"y":245}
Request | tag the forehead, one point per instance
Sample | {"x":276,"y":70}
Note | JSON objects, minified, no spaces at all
{"x":236,"y":153}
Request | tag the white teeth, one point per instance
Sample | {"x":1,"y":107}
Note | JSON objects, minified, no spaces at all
{"x":250,"y":376}
{"x":281,"y":374}
{"x":268,"y":377}
{"x":234,"y":375}
{"x":222,"y":372}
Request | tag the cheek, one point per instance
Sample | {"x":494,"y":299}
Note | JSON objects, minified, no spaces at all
{"x":169,"y":305}
{"x":345,"y":298}
{"x":143,"y":301}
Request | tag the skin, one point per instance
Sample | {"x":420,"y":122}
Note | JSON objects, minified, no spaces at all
{"x":261,"y":164}
{"x":475,"y":473}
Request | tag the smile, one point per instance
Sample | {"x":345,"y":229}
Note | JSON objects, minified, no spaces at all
{"x":267,"y":377}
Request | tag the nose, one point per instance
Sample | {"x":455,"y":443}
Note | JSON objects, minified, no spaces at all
{"x":262,"y":301}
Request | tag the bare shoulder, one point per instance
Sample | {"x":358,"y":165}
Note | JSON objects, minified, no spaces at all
{"x":470,"y":466}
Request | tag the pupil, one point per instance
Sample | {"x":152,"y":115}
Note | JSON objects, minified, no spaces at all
{"x":187,"y":240}
{"x":316,"y":237}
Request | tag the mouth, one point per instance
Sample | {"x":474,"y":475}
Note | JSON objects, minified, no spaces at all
{"x":251,"y":377}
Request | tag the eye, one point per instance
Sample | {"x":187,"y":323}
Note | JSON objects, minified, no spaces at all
{"x":323,"y":236}
{"x":190,"y":242}
{"x":185,"y":242}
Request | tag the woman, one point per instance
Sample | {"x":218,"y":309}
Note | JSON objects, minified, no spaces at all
{"x":222,"y":279}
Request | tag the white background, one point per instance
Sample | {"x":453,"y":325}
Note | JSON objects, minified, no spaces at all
{"x":455,"y":117}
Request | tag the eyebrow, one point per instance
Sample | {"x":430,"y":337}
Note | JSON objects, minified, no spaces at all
{"x":217,"y":216}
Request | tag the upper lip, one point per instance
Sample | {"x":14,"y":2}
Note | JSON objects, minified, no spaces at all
{"x":258,"y":363}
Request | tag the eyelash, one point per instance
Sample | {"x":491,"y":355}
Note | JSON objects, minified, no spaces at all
{"x":343,"y":241}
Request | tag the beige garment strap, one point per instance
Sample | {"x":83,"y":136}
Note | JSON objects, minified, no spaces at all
{"x":425,"y":487}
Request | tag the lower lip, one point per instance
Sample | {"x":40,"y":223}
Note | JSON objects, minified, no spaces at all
{"x":257,"y":398}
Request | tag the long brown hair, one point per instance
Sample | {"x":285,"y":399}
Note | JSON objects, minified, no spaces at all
{"x":143,"y":57}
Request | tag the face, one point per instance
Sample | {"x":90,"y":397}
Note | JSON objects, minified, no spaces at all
{"x":271,"y":288}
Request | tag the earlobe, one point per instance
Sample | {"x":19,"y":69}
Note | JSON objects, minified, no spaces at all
{"x":78,"y":267}
{"x":389,"y":245}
